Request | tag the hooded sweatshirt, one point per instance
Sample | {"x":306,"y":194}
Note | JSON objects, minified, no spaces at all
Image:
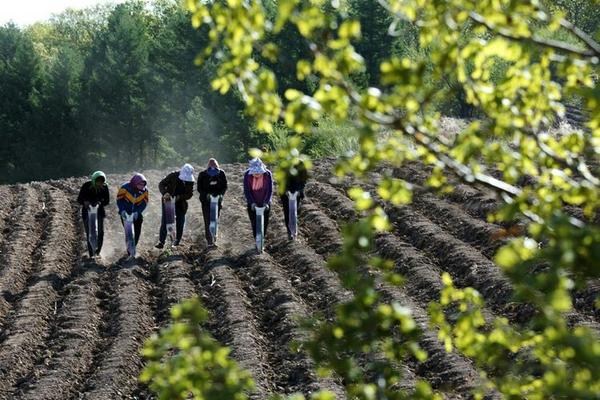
{"x":130,"y":199}
{"x":95,"y":194}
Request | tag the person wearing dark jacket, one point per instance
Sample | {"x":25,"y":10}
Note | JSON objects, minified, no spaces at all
{"x":295,"y":182}
{"x":258,"y":189}
{"x":178,"y":185}
{"x":94,"y":193}
{"x":211,"y":182}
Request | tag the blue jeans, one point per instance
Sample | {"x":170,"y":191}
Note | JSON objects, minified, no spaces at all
{"x":179,"y":224}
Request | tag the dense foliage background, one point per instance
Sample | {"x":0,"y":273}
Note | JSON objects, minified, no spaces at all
{"x":111,"y":87}
{"x":116,"y":88}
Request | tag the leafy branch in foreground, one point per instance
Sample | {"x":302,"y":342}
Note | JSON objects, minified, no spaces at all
{"x":539,"y":175}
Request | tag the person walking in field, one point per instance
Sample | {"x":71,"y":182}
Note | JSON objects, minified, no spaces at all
{"x":93,"y":196}
{"x":178,"y":185}
{"x":211,"y":182}
{"x":132,"y":199}
{"x":295,"y":182}
{"x":258,"y":189}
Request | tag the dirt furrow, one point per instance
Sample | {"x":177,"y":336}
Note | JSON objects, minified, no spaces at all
{"x":8,"y":201}
{"x":466,"y":265}
{"x":76,"y":335}
{"x":584,"y":299}
{"x":477,"y":203}
{"x":280,"y":308}
{"x":449,"y":373}
{"x":175,"y":285}
{"x":423,"y":276}
{"x":232,"y":323}
{"x":274,"y":303}
{"x":24,"y":234}
{"x":29,"y":327}
{"x":171,"y":284}
{"x":319,"y":287}
{"x":473,"y":251}
{"x":458,"y":370}
{"x":484,"y":236}
{"x":338,"y":205}
{"x":120,"y":363}
{"x":280,"y":311}
{"x":72,"y":347}
{"x":323,"y":235}
{"x":312,"y":221}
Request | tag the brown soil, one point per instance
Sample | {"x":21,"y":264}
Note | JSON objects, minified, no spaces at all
{"x":73,"y":328}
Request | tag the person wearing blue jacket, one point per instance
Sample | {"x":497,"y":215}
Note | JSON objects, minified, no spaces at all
{"x":132,"y":198}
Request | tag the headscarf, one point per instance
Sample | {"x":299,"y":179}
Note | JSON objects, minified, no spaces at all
{"x":257,"y":166}
{"x":137,"y":178}
{"x":95,"y":176}
{"x":187,"y":173}
{"x":212,"y":163}
{"x":212,"y":168}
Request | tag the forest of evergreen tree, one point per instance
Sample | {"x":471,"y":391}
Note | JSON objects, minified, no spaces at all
{"x":115,"y":87}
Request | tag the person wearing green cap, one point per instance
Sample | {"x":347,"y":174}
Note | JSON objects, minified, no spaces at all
{"x":94,"y":193}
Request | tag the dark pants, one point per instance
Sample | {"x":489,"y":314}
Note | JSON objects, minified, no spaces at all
{"x":285,"y":203}
{"x":206,"y":217}
{"x":137,"y":226}
{"x":252,"y":216}
{"x":84,"y":216}
{"x":180,"y":212}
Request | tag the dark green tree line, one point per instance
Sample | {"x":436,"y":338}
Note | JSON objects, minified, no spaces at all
{"x":117,"y":88}
{"x":111,"y":87}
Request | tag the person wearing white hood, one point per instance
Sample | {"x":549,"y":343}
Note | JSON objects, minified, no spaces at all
{"x":179,"y":185}
{"x":258,"y":189}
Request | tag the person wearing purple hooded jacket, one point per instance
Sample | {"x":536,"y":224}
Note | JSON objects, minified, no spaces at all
{"x":132,"y":198}
{"x":258,"y":189}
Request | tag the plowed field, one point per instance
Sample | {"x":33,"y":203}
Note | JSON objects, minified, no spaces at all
{"x":72,"y":328}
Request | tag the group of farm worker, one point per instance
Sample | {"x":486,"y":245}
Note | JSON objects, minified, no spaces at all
{"x":132,"y":197}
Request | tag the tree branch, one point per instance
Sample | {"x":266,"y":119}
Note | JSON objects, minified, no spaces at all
{"x":580,"y":168}
{"x":581,"y":35}
{"x":505,"y":190}
{"x":549,"y":43}
{"x":593,"y":46}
